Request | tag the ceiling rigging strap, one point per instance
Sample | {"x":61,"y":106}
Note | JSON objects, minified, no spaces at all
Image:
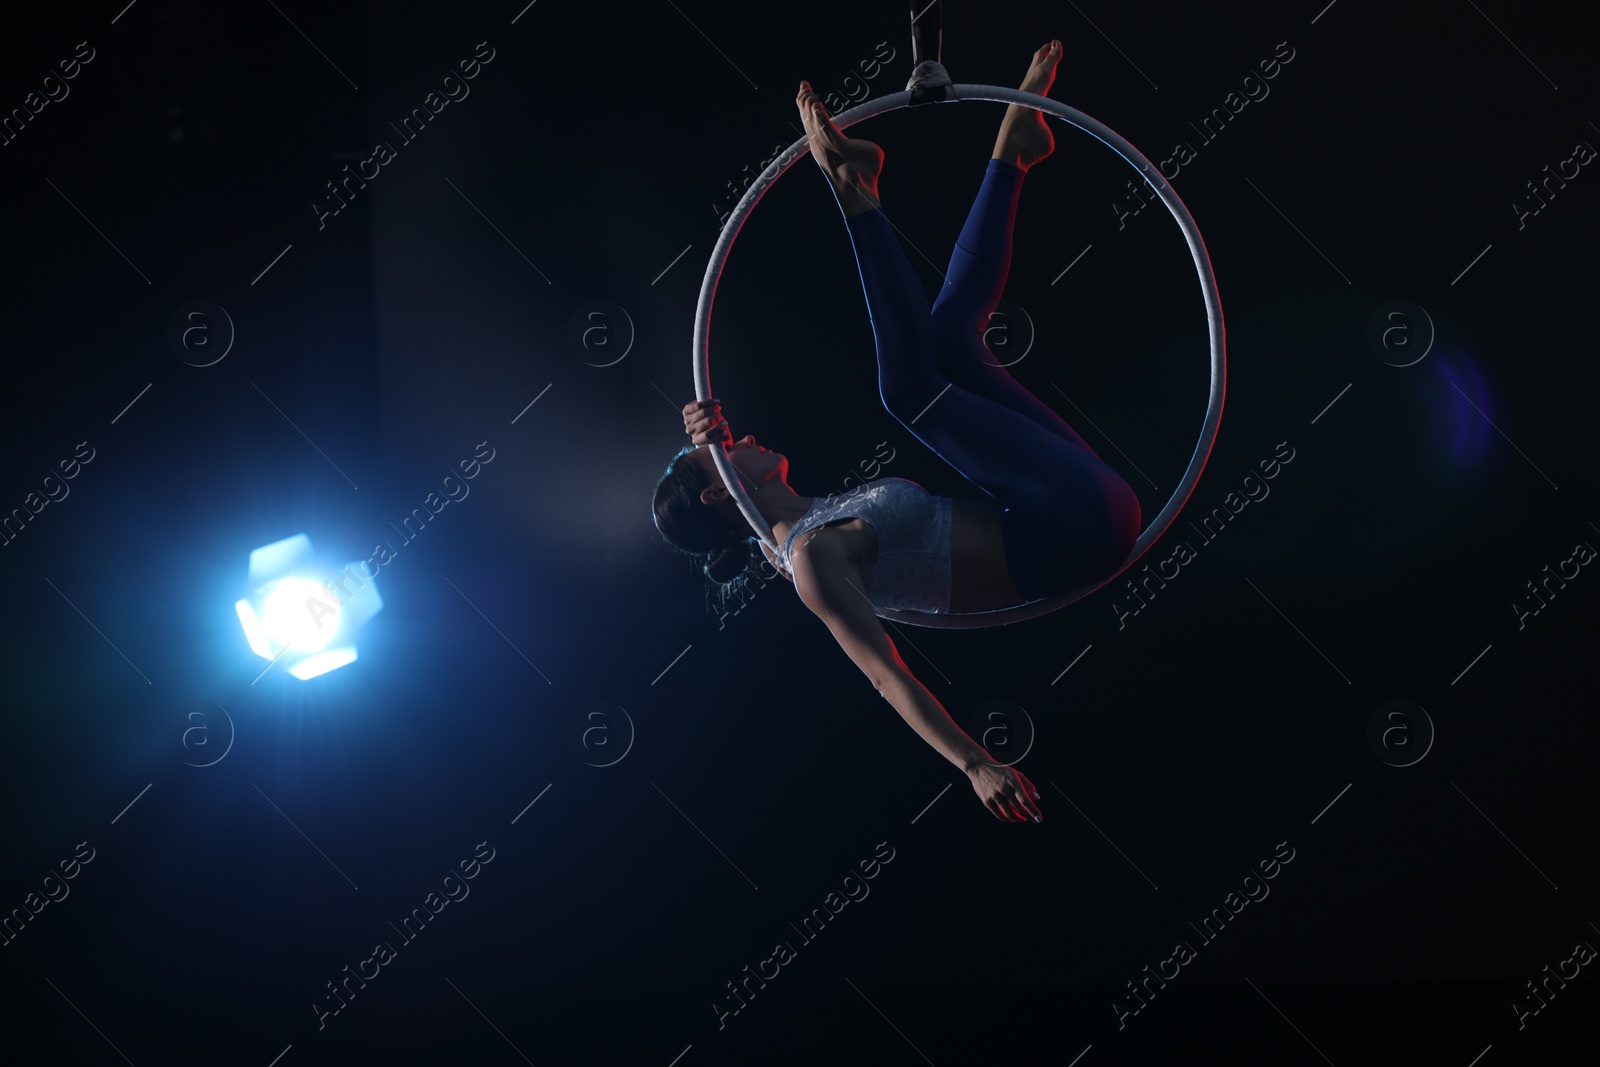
{"x":929,"y":81}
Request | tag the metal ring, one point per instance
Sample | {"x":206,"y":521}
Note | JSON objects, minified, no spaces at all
{"x":1208,"y":285}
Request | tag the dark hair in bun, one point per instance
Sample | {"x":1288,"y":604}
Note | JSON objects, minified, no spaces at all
{"x":696,"y":528}
{"x":725,"y":565}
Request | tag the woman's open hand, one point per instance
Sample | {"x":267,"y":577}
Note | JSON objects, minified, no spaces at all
{"x":1006,"y":792}
{"x":703,"y":422}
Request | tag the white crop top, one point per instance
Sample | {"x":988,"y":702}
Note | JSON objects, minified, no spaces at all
{"x":912,"y":572}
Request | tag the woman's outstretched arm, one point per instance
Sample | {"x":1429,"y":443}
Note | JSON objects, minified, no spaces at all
{"x":831,"y":587}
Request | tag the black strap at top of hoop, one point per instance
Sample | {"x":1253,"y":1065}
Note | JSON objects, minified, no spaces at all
{"x":927,"y":30}
{"x":929,"y":81}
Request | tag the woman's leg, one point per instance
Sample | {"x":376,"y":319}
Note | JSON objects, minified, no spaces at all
{"x":982,"y":257}
{"x":979,"y":264}
{"x":1070,"y":518}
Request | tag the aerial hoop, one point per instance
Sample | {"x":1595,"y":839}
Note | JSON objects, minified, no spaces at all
{"x":929,"y":85}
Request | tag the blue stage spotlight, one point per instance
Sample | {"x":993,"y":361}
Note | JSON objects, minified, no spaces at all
{"x":295,"y":611}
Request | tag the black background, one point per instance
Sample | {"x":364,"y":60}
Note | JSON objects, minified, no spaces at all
{"x":1182,"y":746}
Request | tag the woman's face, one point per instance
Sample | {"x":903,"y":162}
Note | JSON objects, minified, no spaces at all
{"x":757,"y":465}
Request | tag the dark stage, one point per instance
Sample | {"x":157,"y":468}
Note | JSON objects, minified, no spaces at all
{"x":419,"y":283}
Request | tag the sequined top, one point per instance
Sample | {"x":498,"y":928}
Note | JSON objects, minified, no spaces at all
{"x":913,"y":530}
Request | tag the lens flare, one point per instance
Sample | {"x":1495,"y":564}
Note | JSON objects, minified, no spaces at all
{"x":300,"y":614}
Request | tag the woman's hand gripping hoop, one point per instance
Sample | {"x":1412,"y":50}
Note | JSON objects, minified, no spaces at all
{"x":703,"y":422}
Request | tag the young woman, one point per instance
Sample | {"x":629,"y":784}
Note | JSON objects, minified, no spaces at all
{"x":1059,"y":519}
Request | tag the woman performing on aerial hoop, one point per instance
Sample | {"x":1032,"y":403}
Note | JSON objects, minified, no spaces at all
{"x":1059,"y":518}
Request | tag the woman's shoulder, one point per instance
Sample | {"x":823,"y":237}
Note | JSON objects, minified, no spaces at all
{"x":772,"y":560}
{"x":829,"y":544}
{"x":800,"y":549}
{"x":822,"y":563}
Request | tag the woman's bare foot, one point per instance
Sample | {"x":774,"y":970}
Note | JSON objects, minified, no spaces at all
{"x":852,"y":166}
{"x":1025,"y":136}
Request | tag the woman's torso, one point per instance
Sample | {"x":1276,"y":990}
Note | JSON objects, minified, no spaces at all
{"x":914,"y":551}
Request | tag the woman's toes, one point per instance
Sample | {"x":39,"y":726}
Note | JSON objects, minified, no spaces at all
{"x":1042,"y":74}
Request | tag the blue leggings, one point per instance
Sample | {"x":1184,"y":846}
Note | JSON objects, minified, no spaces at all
{"x":1069,"y":520}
